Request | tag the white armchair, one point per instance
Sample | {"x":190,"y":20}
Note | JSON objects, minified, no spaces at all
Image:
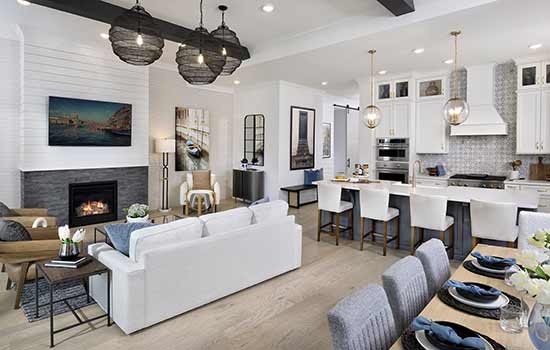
{"x":186,"y":190}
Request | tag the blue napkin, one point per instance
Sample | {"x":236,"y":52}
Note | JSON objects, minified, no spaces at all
{"x":491,"y":260}
{"x":446,"y":334}
{"x":493,"y":292}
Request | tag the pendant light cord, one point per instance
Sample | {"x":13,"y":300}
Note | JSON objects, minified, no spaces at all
{"x":201,"y":15}
{"x":456,"y":34}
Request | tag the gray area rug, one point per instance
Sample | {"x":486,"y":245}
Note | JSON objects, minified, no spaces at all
{"x":61,"y":291}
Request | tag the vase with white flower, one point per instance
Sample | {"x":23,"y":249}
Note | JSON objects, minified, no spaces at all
{"x":69,"y":249}
{"x":137,"y":213}
{"x":534,"y":279}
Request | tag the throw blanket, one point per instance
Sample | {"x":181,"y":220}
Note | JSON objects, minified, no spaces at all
{"x":472,"y":289}
{"x":492,"y":260}
{"x":446,"y":334}
{"x":206,"y":201}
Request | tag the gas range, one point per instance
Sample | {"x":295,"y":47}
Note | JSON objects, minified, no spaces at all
{"x":477,"y":180}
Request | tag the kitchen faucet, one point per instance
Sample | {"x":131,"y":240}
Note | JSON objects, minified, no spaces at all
{"x":419,"y":162}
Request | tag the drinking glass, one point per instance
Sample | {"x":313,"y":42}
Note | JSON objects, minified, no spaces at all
{"x":509,"y":273}
{"x":511,"y":318}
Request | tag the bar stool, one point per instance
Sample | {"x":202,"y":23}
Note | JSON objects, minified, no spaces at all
{"x":495,"y":221}
{"x":330,"y":199}
{"x":430,"y":212}
{"x":375,"y":206}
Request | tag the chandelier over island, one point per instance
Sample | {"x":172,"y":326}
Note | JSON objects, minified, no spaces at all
{"x":456,"y":110}
{"x":371,"y":115}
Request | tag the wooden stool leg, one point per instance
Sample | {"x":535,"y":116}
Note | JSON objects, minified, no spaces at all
{"x":442,"y":236}
{"x":373,"y":229}
{"x":361,"y":231}
{"x":350,"y":223}
{"x":452,"y":242}
{"x":199,"y":209}
{"x":8,"y":284}
{"x":385,"y":237}
{"x":397,"y":233}
{"x":475,"y":241}
{"x":337,"y":228}
{"x":21,"y":284}
{"x":412,"y":240}
{"x":187,"y":204}
{"x":319,"y":221}
{"x":511,"y":244}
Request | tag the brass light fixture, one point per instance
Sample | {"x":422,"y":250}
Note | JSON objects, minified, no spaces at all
{"x":371,"y":115}
{"x":456,"y":110}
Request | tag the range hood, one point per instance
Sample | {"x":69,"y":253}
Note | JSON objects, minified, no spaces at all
{"x":484,"y":118}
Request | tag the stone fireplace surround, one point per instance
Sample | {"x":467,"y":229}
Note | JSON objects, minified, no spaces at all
{"x":50,"y":188}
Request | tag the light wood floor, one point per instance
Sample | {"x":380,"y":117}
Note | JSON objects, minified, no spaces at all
{"x":287,"y":312}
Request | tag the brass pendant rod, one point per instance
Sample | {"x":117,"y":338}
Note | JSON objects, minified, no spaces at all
{"x":455,"y":73}
{"x":372,"y":52}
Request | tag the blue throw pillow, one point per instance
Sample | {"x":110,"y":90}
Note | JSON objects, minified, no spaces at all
{"x":119,"y":234}
{"x":312,"y":175}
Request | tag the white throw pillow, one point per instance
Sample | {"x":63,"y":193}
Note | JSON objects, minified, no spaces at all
{"x":269,"y":211}
{"x":226,"y":221}
{"x":159,"y":235}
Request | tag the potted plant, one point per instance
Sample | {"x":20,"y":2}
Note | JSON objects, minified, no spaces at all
{"x":69,"y":245}
{"x":534,"y":278}
{"x":516,"y":165}
{"x":137,"y":213}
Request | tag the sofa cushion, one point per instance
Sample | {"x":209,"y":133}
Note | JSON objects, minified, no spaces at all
{"x":160,"y":235}
{"x":12,"y":231}
{"x":119,"y":234}
{"x":201,"y":180}
{"x":269,"y":211}
{"x":5,"y":211}
{"x":226,"y":221}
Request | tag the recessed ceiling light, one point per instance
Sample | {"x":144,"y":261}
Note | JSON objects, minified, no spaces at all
{"x":418,"y":51}
{"x":236,"y":82}
{"x":268,"y":8}
{"x":382,"y":72}
{"x":535,"y":46}
{"x":448,"y":61}
{"x":324,"y":83}
{"x":104,"y":35}
{"x":23,"y":2}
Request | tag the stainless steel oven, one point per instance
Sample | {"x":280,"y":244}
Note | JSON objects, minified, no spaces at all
{"x":393,"y":171}
{"x":392,"y":150}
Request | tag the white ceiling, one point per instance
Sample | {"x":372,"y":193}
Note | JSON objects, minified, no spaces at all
{"x":309,"y":41}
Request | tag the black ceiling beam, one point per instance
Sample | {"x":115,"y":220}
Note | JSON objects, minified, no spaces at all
{"x":398,"y":7}
{"x":105,"y":12}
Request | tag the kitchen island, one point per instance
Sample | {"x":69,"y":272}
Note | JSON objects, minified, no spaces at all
{"x":458,"y":206}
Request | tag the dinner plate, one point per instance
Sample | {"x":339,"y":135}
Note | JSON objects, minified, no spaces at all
{"x":500,"y":302}
{"x":486,"y":269}
{"x":425,"y":343}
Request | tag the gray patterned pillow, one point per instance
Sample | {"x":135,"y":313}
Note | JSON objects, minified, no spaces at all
{"x":12,"y":231}
{"x":5,"y":211}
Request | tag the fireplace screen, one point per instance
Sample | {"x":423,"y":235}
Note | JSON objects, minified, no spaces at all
{"x":92,"y":203}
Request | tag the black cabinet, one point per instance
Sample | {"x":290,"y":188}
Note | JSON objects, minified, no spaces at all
{"x":248,"y":185}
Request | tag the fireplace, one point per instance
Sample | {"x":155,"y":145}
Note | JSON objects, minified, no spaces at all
{"x":92,"y":203}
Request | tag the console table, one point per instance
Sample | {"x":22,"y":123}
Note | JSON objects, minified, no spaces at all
{"x":248,"y":185}
{"x":293,"y":193}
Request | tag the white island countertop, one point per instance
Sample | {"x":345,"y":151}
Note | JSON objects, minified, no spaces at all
{"x":525,"y":199}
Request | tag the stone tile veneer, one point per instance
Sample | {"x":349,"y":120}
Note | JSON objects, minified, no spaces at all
{"x":50,"y":189}
{"x":486,"y":154}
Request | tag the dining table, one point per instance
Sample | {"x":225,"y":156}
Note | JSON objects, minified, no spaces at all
{"x":436,"y":310}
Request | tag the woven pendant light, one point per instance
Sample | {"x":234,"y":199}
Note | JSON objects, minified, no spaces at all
{"x":197,"y":64}
{"x":140,"y":46}
{"x":224,"y":33}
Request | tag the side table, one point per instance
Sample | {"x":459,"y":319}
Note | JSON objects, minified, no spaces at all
{"x":55,"y":276}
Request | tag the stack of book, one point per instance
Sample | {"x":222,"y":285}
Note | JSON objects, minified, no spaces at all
{"x":68,"y":264}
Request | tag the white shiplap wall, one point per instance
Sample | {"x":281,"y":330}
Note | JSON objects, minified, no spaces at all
{"x":69,"y":69}
{"x":9,"y":119}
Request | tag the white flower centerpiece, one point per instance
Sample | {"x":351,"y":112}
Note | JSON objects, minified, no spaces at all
{"x":137,"y":213}
{"x":534,"y":279}
{"x":69,"y":243}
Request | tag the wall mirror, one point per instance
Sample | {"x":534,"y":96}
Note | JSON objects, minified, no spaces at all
{"x":254,"y":133}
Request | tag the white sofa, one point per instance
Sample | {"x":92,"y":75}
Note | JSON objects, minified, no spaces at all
{"x":179,"y":266}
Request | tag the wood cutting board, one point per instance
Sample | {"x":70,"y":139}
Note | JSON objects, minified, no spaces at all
{"x":537,"y":171}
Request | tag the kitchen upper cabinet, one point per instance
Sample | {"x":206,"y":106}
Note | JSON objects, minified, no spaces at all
{"x":432,"y":88}
{"x":533,"y":121}
{"x":392,"y":90}
{"x":431,"y":128}
{"x":395,"y":121}
{"x":533,"y":75}
{"x":544,"y":141}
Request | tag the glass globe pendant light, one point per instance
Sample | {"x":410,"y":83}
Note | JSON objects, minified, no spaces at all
{"x":224,"y":33}
{"x":140,"y":46}
{"x":456,"y":110}
{"x":371,"y":115}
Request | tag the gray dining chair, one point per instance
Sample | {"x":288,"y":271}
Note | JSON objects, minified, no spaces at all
{"x":436,"y":264}
{"x":407,"y":290}
{"x":363,"y":321}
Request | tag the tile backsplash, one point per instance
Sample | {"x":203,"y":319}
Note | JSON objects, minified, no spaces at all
{"x":486,"y":154}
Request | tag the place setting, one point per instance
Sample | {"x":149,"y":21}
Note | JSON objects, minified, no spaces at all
{"x":476,"y":298}
{"x":425,"y":334}
{"x":489,"y":266}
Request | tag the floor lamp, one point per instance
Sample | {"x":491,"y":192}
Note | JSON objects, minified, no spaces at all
{"x":165,"y":146}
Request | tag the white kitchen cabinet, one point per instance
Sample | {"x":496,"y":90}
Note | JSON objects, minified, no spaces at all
{"x":533,"y":121}
{"x":395,"y":121}
{"x":431,"y":129}
{"x":392,"y":90}
{"x":543,"y":191}
{"x":529,"y":75}
{"x":431,"y":88}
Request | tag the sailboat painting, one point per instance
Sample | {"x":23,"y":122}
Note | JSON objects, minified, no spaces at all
{"x":192,"y":139}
